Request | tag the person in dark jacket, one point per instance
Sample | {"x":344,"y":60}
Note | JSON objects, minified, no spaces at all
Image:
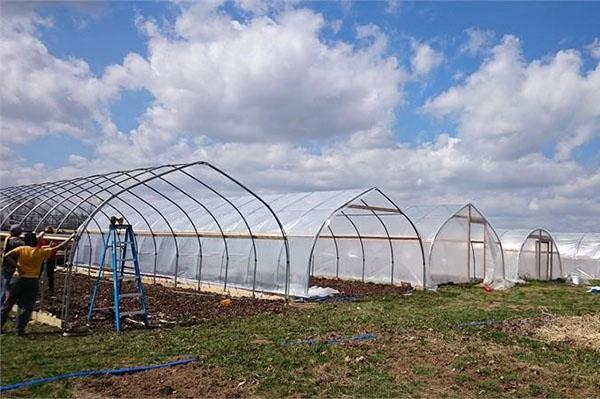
{"x":50,"y":263}
{"x":9,"y":263}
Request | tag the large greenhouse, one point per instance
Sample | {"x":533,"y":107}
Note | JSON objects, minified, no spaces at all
{"x":530,"y":255}
{"x":460,"y":244}
{"x":196,"y":225}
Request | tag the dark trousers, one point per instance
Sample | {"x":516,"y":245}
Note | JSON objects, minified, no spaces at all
{"x":7,"y":273}
{"x":22,"y":291}
{"x":50,"y":265}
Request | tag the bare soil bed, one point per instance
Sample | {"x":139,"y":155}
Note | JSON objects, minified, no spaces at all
{"x":180,"y":306}
{"x":359,"y":289}
{"x":167,"y":305}
{"x":188,"y":381}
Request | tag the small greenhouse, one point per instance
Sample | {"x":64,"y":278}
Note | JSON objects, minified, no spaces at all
{"x":196,"y":225}
{"x":579,"y":252}
{"x":351,"y":235}
{"x":460,"y":244}
{"x":530,"y":255}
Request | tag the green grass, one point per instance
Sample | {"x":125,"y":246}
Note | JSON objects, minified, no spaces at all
{"x":419,"y":349}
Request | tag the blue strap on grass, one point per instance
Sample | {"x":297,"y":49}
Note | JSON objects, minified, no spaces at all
{"x":478,"y":323}
{"x":88,"y":373}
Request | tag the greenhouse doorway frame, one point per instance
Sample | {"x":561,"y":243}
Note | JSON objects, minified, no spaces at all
{"x":474,"y":217}
{"x":376,"y":212}
{"x":544,"y":259}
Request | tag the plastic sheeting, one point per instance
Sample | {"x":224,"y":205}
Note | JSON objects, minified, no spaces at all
{"x":196,"y":223}
{"x":460,"y":244}
{"x":530,"y":255}
{"x":358,"y":235}
{"x":579,"y":251}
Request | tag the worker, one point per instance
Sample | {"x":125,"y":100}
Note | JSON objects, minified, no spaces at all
{"x":50,"y":263}
{"x":9,"y":263}
{"x":24,"y":288}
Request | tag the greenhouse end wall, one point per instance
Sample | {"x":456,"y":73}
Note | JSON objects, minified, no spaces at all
{"x":461,"y":245}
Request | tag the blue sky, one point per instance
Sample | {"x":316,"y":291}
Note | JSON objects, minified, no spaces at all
{"x":427,"y":106}
{"x":103,"y":34}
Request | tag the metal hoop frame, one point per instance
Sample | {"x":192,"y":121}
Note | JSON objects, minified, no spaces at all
{"x":100,"y":194}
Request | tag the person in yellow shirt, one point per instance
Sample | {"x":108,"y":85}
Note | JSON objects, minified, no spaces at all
{"x":23,"y":289}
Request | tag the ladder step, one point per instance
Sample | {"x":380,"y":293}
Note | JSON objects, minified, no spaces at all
{"x":133,"y":313}
{"x":122,"y":243}
{"x":131,"y":295}
{"x":105,"y":308}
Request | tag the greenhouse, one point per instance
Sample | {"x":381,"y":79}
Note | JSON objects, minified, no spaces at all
{"x":197,"y":226}
{"x":460,"y":244}
{"x":530,"y":255}
{"x":579,"y":252}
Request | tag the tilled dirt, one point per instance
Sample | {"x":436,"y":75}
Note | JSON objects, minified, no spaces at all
{"x":188,"y":381}
{"x":179,"y":306}
{"x":359,"y":289}
{"x":167,"y":305}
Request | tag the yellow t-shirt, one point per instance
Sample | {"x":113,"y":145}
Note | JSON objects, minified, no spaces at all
{"x":31,"y":260}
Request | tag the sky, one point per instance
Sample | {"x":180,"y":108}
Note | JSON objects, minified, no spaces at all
{"x":495,"y":103}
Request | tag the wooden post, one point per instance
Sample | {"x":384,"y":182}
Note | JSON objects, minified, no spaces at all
{"x":484,"y":252}
{"x":548,"y":256}
{"x":551,"y":258}
{"x":538,"y":261}
{"x":469,"y":244}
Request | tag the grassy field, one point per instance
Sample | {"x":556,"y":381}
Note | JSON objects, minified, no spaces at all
{"x":419,"y":351}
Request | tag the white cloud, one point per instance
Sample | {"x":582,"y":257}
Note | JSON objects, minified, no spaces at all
{"x":268,"y":80}
{"x":424,"y":59}
{"x":478,"y":40}
{"x":268,"y":101}
{"x":509,"y":108}
{"x":594,"y":48}
{"x":393,"y":6}
{"x":42,"y":94}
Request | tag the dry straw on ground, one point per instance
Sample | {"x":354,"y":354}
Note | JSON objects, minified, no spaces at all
{"x":581,"y":330}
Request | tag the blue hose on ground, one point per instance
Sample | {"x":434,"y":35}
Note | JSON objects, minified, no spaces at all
{"x":88,"y":373}
{"x":331,"y":341}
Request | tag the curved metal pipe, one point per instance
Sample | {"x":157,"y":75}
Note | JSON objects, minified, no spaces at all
{"x":362,"y":245}
{"x":388,"y":236}
{"x":199,"y":271}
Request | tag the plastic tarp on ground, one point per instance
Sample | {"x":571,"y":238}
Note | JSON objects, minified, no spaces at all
{"x":357,"y":235}
{"x":530,"y":255}
{"x":579,"y":251}
{"x":460,"y":244}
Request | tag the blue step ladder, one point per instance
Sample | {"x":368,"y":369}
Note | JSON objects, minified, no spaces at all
{"x":122,"y":270}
